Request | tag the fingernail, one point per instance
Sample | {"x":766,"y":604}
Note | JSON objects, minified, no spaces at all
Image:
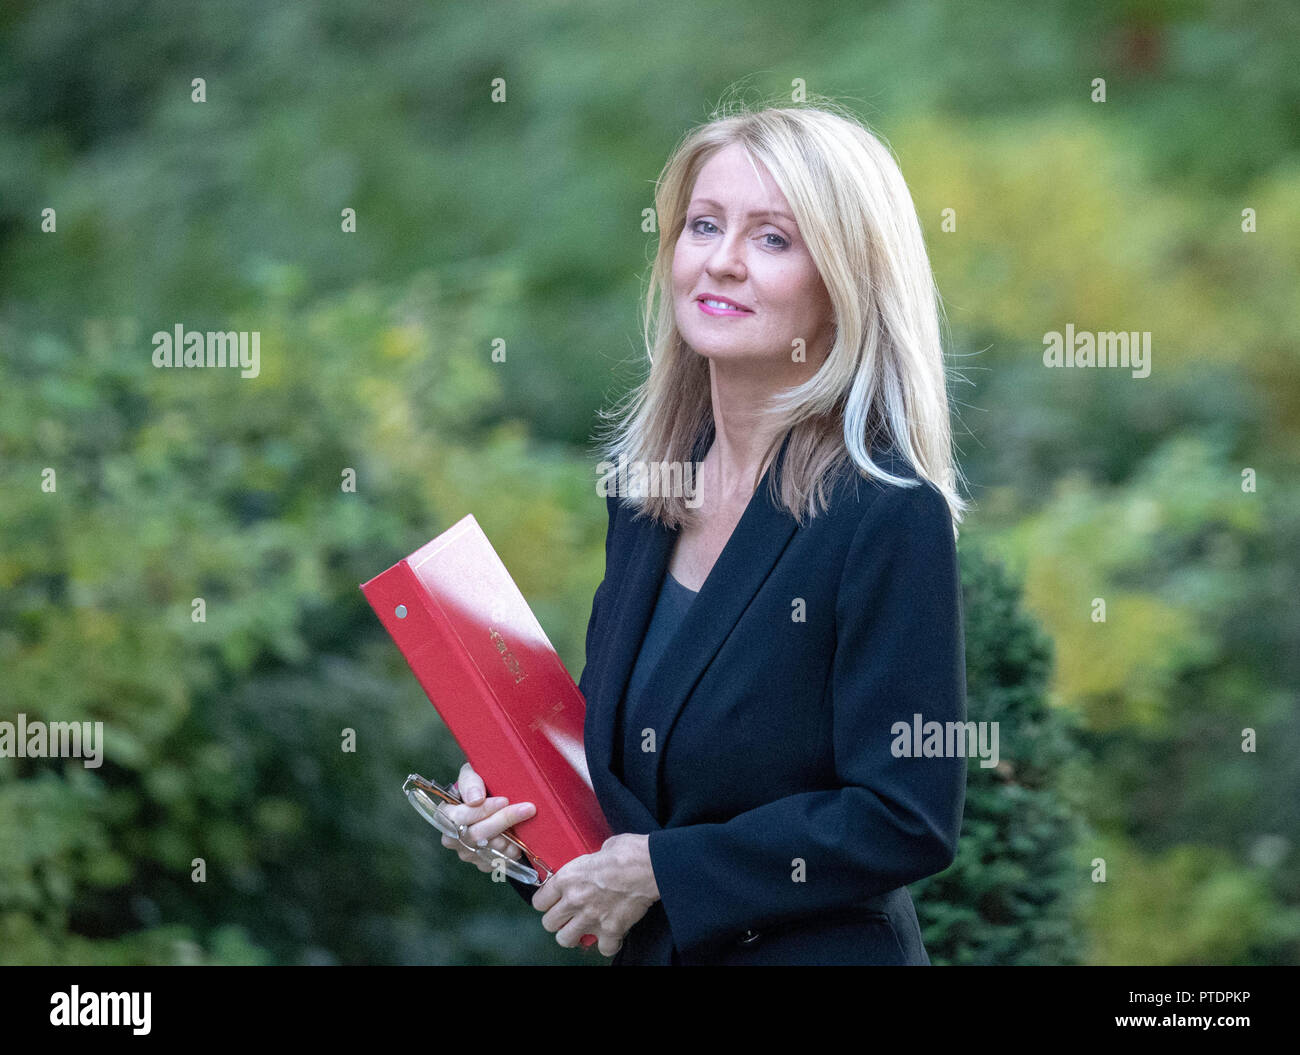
{"x":482,"y":843}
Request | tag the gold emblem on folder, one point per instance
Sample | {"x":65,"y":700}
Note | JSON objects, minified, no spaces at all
{"x":507,"y":657}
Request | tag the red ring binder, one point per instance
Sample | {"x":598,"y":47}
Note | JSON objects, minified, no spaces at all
{"x":491,"y":673}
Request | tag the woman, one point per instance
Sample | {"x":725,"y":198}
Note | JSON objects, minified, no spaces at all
{"x":755,"y":652}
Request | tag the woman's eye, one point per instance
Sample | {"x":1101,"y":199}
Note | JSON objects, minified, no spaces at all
{"x":781,"y":243}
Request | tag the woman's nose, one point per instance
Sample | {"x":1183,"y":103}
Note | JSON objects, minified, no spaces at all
{"x":727,"y":257}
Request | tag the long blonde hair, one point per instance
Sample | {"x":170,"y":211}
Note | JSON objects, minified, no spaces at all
{"x":882,"y":384}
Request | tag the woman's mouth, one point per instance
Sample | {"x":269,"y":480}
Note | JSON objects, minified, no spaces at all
{"x":718,"y":306}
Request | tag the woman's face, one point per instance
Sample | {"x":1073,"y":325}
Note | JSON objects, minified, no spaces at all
{"x":740,"y":243}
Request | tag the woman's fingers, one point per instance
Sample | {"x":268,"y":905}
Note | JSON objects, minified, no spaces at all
{"x":485,"y":819}
{"x":471,"y":787}
{"x":464,"y":854}
{"x":485,"y":824}
{"x":486,"y":830}
{"x":469,"y":814}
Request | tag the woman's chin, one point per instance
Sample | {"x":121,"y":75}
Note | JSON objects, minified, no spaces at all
{"x":728,"y":353}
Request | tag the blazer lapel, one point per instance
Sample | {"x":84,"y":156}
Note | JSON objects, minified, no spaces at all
{"x":751,"y":552}
{"x":651,"y":545}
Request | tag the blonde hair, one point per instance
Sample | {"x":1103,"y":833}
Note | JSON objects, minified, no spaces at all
{"x":882,"y":384}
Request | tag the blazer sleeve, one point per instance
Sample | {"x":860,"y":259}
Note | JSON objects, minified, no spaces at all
{"x":892,"y":820}
{"x":525,"y":891}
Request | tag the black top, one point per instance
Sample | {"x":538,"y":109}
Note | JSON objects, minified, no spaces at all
{"x":634,"y":748}
{"x":777,"y":735}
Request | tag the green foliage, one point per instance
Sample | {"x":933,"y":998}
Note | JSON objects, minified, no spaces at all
{"x":1197,"y":647}
{"x":224,"y":737}
{"x":1189,"y":905}
{"x":1011,"y":894}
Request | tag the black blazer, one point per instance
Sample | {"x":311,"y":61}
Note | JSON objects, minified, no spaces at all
{"x":784,"y":829}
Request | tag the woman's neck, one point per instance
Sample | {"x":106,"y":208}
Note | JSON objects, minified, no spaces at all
{"x":734,"y":463}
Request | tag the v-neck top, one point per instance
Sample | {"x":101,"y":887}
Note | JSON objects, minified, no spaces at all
{"x":635,"y":757}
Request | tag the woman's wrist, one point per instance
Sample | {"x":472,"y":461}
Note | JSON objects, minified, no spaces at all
{"x":651,"y":886}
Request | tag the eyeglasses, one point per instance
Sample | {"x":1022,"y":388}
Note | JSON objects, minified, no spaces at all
{"x":424,"y":795}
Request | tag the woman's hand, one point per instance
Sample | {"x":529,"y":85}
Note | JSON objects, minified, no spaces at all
{"x":487,"y":818}
{"x":603,"y":894}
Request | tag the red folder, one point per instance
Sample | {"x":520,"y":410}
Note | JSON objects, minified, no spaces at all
{"x":487,"y":666}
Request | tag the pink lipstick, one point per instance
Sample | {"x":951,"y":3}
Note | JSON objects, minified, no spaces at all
{"x":712,"y":304}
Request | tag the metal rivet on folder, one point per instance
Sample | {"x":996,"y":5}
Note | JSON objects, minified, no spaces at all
{"x":401,"y":611}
